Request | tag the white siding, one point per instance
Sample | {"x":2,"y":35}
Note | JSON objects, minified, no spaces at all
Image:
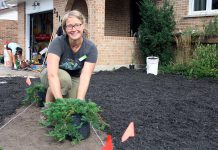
{"x":9,"y":14}
{"x":45,"y":5}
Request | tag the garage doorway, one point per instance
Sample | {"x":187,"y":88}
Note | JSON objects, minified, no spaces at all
{"x":41,"y":28}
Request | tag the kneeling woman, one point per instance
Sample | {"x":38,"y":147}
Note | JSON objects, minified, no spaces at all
{"x":70,"y":62}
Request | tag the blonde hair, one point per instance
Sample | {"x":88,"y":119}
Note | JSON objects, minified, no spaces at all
{"x":74,"y":13}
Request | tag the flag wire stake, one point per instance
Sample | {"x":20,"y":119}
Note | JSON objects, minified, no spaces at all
{"x":97,"y":135}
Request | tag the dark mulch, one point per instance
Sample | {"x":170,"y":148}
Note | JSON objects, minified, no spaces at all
{"x":12,"y":92}
{"x":169,"y":111}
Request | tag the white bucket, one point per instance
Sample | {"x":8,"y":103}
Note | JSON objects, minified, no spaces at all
{"x":152,"y":65}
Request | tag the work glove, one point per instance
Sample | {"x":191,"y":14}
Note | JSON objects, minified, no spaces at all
{"x":15,"y":66}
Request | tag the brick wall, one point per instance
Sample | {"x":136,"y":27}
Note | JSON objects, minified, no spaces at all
{"x":117,"y":18}
{"x":116,"y":50}
{"x":183,"y":21}
{"x":8,"y":32}
{"x":60,"y":6}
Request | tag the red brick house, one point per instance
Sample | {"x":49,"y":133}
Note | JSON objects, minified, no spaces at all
{"x":111,"y":24}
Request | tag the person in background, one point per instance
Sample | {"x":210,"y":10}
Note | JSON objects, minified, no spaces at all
{"x":15,"y":53}
{"x":59,"y":31}
{"x":71,"y":61}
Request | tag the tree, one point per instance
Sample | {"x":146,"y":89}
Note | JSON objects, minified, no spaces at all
{"x":156,"y":30}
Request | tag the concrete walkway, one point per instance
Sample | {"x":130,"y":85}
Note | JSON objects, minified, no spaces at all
{"x":5,"y":71}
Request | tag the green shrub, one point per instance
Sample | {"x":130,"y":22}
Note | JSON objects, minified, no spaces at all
{"x":204,"y":63}
{"x":32,"y":93}
{"x":59,"y":115}
{"x":181,"y":69}
{"x":206,"y":56}
{"x":1,"y":148}
{"x":200,"y":72}
{"x":156,"y":30}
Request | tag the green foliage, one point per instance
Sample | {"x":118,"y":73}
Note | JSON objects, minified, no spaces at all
{"x":206,"y":56}
{"x":212,"y":27}
{"x":176,"y":69}
{"x":32,"y":93}
{"x":59,"y":114}
{"x":204,"y":63}
{"x":156,"y":30}
{"x":1,"y":148}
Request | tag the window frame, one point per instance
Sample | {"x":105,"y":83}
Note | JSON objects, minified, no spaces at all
{"x":207,"y":12}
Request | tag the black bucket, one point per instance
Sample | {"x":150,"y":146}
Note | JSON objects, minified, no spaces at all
{"x":131,"y":66}
{"x":84,"y":131}
{"x":42,"y":95}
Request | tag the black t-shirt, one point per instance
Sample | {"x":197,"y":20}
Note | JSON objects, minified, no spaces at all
{"x":70,"y":61}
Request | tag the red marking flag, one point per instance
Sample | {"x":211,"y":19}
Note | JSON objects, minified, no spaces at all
{"x":109,"y":144}
{"x":28,"y":81}
{"x":130,"y":132}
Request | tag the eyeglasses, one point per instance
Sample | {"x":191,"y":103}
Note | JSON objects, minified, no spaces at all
{"x":76,"y":26}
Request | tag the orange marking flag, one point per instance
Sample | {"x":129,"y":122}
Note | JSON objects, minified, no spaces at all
{"x":130,"y":132}
{"x":28,"y":81}
{"x":109,"y":144}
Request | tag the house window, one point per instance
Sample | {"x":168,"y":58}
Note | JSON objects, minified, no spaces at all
{"x":203,"y":7}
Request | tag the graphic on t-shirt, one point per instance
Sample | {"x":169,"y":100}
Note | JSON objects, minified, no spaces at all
{"x":71,"y":64}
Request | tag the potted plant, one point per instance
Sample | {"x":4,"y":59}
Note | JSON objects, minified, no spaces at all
{"x":71,"y":119}
{"x":35,"y":93}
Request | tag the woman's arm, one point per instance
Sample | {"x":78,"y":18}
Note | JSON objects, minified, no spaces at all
{"x":85,"y":77}
{"x":52,"y":68}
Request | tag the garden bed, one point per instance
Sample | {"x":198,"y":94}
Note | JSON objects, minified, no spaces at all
{"x":169,"y":111}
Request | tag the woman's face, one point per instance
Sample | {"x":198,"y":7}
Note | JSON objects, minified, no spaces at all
{"x":74,"y":28}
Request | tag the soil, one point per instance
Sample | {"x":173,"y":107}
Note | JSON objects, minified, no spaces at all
{"x":169,"y":111}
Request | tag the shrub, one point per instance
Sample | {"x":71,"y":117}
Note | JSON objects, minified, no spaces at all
{"x":204,"y":63}
{"x":156,"y":30}
{"x":59,"y":114}
{"x":181,"y":69}
{"x":206,"y":56}
{"x":33,"y":93}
